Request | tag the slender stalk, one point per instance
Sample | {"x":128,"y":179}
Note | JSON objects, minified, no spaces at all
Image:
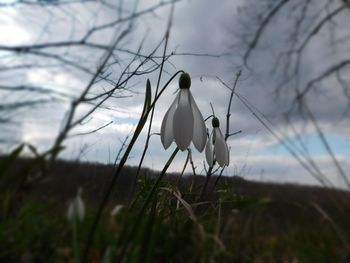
{"x":328,"y":148}
{"x":193,"y":170}
{"x":167,"y":34}
{"x":153,"y":103}
{"x":184,"y":168}
{"x":228,"y":114}
{"x":227,"y":135}
{"x":122,"y":162}
{"x":144,"y":206}
{"x":110,"y":188}
{"x":207,"y":178}
{"x":75,"y":239}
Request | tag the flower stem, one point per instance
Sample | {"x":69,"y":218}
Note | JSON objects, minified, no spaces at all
{"x":145,"y":205}
{"x":75,"y":239}
{"x":144,"y":152}
{"x":121,"y":164}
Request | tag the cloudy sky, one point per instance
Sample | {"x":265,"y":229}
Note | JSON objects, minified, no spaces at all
{"x":210,"y":40}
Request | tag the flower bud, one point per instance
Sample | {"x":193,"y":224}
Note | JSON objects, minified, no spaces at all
{"x":215,"y":122}
{"x":185,"y":81}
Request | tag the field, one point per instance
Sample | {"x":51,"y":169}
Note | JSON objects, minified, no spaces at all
{"x":239,"y":221}
{"x":245,"y":89}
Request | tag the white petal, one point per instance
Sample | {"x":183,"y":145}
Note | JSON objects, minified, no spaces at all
{"x":221,"y":149}
{"x":183,"y":121}
{"x":166,"y":131}
{"x":214,"y":136}
{"x":70,"y":211}
{"x":209,"y":154}
{"x":199,"y":129}
{"x":80,"y":209}
{"x":116,"y":210}
{"x":76,"y":209}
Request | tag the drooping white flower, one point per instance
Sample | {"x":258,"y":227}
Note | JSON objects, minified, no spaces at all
{"x":183,"y":122}
{"x":76,"y":208}
{"x":216,"y":148}
{"x":116,"y":210}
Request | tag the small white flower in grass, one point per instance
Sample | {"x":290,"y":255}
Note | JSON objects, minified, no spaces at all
{"x":183,"y":122}
{"x":216,"y":148}
{"x":76,"y":208}
{"x":116,"y":210}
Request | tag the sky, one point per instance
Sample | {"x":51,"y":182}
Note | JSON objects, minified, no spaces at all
{"x":209,"y":40}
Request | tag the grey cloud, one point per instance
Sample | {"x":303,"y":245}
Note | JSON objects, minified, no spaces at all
{"x":199,"y":27}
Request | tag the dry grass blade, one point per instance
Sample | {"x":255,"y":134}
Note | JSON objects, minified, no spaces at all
{"x":333,"y":224}
{"x":188,"y":208}
{"x":200,"y":228}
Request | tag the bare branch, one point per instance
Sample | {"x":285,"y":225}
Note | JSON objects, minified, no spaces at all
{"x":262,"y":27}
{"x":93,"y":131}
{"x":321,"y":77}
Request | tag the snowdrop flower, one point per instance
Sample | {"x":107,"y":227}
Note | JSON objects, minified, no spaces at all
{"x":216,"y":147}
{"x":76,"y":208}
{"x":116,"y":210}
{"x":183,"y":122}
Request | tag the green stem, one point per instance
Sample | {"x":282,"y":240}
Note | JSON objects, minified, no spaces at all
{"x":75,"y":239}
{"x":121,"y":164}
{"x":145,"y":205}
{"x":152,"y":105}
{"x":209,"y":173}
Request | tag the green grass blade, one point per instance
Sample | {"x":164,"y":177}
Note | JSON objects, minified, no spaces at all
{"x":8,"y":160}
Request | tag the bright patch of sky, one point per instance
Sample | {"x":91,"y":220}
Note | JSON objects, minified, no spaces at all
{"x":12,"y":33}
{"x":340,"y":145}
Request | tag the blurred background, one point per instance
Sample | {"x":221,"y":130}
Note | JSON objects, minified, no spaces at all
{"x":293,"y":93}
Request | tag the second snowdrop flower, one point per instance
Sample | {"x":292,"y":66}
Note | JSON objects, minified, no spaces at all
{"x":76,"y":208}
{"x":216,"y":147}
{"x":183,"y":122}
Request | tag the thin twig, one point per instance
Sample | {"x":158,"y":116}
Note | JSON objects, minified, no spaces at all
{"x":136,"y":223}
{"x":184,"y":168}
{"x":167,"y":34}
{"x":93,"y":131}
{"x":228,"y":116}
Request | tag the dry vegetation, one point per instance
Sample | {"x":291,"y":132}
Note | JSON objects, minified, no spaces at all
{"x":241,"y":221}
